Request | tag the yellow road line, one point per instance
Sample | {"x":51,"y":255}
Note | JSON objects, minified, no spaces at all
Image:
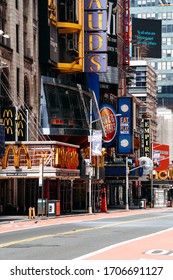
{"x":7,"y":244}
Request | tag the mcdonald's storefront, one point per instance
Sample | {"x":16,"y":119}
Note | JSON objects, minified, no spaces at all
{"x":54,"y":164}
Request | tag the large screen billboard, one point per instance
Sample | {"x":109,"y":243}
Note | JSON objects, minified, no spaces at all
{"x":146,"y":38}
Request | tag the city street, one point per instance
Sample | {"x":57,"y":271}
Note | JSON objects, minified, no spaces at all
{"x":121,"y":235}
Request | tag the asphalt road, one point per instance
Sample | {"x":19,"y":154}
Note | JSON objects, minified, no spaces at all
{"x":73,"y":238}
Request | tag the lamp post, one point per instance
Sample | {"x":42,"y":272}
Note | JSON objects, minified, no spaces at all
{"x":41,"y":183}
{"x":127,"y":184}
{"x":90,"y":161}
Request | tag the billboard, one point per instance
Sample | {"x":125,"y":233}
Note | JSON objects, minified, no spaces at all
{"x":146,"y":38}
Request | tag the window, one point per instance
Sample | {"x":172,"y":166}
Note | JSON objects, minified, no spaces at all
{"x":164,"y":16}
{"x":17,"y":38}
{"x":163,"y":41}
{"x":17,"y":4}
{"x":168,"y":53}
{"x":163,"y":53}
{"x":34,"y":9}
{"x":18,"y":81}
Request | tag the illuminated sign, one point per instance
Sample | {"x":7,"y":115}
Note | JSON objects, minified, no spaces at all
{"x":63,"y":157}
{"x":146,"y":137}
{"x":125,"y":135}
{"x":95,"y":37}
{"x":17,"y":153}
{"x":164,"y":174}
{"x":146,"y":35}
{"x":109,"y":120}
{"x":14,"y":119}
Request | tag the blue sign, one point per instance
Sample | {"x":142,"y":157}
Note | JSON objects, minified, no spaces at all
{"x":125,"y":136}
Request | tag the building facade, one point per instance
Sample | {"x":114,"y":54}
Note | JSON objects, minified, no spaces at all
{"x":56,"y":69}
{"x":143,"y":86}
{"x":19,"y":78}
{"x":162,"y":10}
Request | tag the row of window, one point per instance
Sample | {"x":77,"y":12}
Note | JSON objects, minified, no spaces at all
{"x":163,"y":16}
{"x":167,"y":53}
{"x":167,"y":41}
{"x":143,"y":3}
{"x":164,"y":65}
{"x":165,"y":89}
{"x":165,"y":77}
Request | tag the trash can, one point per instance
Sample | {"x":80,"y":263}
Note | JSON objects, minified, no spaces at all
{"x":53,"y":207}
{"x":143,"y":204}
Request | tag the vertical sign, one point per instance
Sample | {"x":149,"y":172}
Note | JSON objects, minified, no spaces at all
{"x":147,"y":150}
{"x":96,"y":148}
{"x":125,"y":135}
{"x":15,"y":124}
{"x":21,"y":125}
{"x":8,"y":117}
{"x":95,"y":36}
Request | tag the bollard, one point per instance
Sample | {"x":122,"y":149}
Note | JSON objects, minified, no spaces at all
{"x":103,"y":201}
{"x":31,"y":213}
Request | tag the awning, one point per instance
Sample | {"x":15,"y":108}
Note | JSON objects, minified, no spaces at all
{"x":65,"y":110}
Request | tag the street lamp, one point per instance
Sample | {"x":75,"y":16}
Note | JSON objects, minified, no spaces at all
{"x":4,"y":35}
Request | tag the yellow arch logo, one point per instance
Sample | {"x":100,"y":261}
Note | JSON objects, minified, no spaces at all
{"x":16,"y":152}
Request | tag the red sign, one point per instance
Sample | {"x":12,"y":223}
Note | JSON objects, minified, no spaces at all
{"x":160,"y":156}
{"x":108,"y":116}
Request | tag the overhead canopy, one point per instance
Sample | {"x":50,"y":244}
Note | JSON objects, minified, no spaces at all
{"x":65,"y":110}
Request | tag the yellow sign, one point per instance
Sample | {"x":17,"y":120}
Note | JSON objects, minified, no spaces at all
{"x":16,"y":152}
{"x":64,"y":157}
{"x":164,"y":174}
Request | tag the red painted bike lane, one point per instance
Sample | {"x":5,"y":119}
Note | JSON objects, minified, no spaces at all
{"x":158,"y":246}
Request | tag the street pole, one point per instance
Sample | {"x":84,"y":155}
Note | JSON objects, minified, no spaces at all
{"x":127,"y":184}
{"x":41,"y":183}
{"x":42,"y":188}
{"x":90,"y":161}
{"x":152,"y":195}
